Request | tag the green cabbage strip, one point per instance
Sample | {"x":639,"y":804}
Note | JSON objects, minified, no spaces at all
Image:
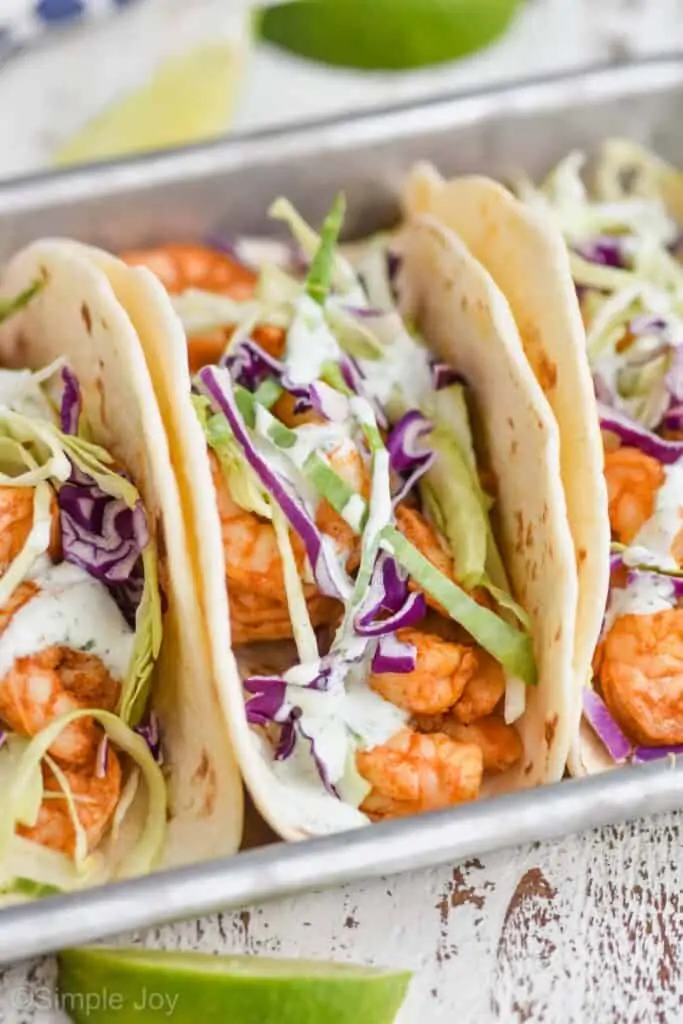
{"x":146,"y":852}
{"x":147,"y":643}
{"x":512,"y":648}
{"x":12,"y":305}
{"x":508,"y":645}
{"x":319,"y":280}
{"x":344,"y":278}
{"x":302,"y":627}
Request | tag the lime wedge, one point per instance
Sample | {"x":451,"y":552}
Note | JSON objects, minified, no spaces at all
{"x":102,"y":985}
{"x":384,"y":34}
{"x":190,"y":98}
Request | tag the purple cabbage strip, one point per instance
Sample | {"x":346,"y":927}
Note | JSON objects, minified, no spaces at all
{"x":218,"y":386}
{"x":444,"y":375}
{"x":644,"y":755}
{"x":394,"y":656}
{"x":149,"y":730}
{"x":405,"y":452}
{"x":607,"y":250}
{"x":631,"y":433}
{"x":72,"y":403}
{"x":388,"y":592}
{"x":600,"y":719}
{"x":100,"y":533}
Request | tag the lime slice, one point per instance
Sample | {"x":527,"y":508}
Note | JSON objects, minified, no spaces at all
{"x":384,"y":34}
{"x":190,"y":98}
{"x":103,"y":985}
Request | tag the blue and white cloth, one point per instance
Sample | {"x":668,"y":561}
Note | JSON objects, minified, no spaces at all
{"x":37,"y":17}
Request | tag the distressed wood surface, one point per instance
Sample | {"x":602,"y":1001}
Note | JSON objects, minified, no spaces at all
{"x":589,"y":928}
{"x":586,"y":929}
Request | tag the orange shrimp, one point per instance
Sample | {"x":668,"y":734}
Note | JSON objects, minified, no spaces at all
{"x":633,"y":480}
{"x":441,"y":672}
{"x":500,"y":745}
{"x":254,"y":617}
{"x":414,"y":772}
{"x":183,"y":265}
{"x":16,"y":521}
{"x":95,"y":800}
{"x":483,"y":691}
{"x":639,"y":665}
{"x":40,"y":688}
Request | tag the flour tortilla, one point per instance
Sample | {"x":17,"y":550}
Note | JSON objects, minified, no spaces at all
{"x":466,"y":319}
{"x":77,"y":315}
{"x":526,"y":256}
{"x":537,"y":539}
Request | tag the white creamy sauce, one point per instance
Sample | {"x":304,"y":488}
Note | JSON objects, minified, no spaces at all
{"x":71,"y":609}
{"x":644,"y":595}
{"x":404,"y":368}
{"x":20,"y":391}
{"x":310,"y":342}
{"x":653,"y":543}
{"x":371,"y":718}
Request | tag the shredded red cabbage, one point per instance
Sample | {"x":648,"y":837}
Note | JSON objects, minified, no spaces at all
{"x":70,"y":410}
{"x":407,"y":456}
{"x":149,"y":730}
{"x":100,"y":533}
{"x":600,"y":719}
{"x":631,"y":433}
{"x":444,"y":375}
{"x":394,"y":656}
{"x":607,"y":250}
{"x":388,"y":596}
{"x":646,"y":323}
{"x":250,"y":365}
{"x":643,"y":755}
{"x":329,"y":576}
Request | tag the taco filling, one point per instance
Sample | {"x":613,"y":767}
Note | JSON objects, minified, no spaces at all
{"x":624,"y":235}
{"x":80,"y":630}
{"x":388,"y":660}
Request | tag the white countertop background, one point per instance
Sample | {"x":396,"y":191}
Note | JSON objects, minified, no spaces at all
{"x":585,"y":929}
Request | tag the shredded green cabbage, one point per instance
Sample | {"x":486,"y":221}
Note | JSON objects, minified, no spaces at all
{"x":145,"y":853}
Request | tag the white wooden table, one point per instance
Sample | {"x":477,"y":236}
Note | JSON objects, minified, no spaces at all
{"x":586,"y":929}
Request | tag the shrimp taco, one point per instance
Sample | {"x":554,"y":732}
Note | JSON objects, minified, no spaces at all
{"x":377,"y":516}
{"x":622,"y":274}
{"x":113,"y":759}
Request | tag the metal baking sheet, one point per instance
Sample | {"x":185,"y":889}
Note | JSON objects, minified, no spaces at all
{"x":227,"y":187}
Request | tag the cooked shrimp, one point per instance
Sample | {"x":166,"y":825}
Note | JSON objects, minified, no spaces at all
{"x":41,"y":687}
{"x":640,"y":668}
{"x":254,"y":617}
{"x":95,"y":799}
{"x":284,"y":411}
{"x":207,"y":348}
{"x":347,"y":462}
{"x":633,"y":480}
{"x":441,"y":672}
{"x":499,"y":743}
{"x":413,"y":772}
{"x":483,"y":692}
{"x":180,"y":266}
{"x":252,"y":555}
{"x":16,"y":520}
{"x":422,"y":535}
